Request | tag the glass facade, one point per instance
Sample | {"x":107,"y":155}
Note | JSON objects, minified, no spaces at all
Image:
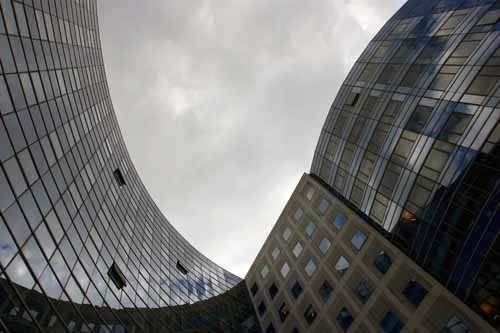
{"x":82,"y":244}
{"x":411,"y":143}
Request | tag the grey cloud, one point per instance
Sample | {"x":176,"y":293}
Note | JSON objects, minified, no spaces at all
{"x":221,"y":104}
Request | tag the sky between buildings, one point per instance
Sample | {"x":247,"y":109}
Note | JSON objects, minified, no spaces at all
{"x":221,"y":104}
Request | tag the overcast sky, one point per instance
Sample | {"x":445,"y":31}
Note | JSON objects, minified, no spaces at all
{"x":221,"y":104}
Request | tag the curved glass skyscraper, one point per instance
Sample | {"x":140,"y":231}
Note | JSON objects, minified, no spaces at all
{"x":411,"y":141}
{"x":82,"y":244}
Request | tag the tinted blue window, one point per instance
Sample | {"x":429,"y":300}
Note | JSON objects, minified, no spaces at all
{"x":382,"y":262}
{"x":344,"y":318}
{"x":414,"y":292}
{"x":364,"y":291}
{"x":339,"y":221}
{"x":358,"y":239}
{"x":391,"y":323}
{"x":296,"y":289}
{"x":325,"y":290}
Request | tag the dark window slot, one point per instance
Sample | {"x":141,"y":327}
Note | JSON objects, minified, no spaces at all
{"x":181,"y":268}
{"x":119,"y":177}
{"x":117,"y":276}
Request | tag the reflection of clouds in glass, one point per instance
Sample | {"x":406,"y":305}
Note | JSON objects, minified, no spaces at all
{"x":17,"y":223}
{"x":457,"y":164}
{"x":50,"y":284}
{"x":7,"y":246}
{"x":18,"y":273}
{"x":342,"y":264}
{"x":34,"y":256}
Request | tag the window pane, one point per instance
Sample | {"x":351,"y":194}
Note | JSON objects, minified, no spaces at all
{"x":264,"y":271}
{"x":325,"y":290}
{"x":364,"y":291}
{"x":310,"y":268}
{"x":344,"y":318}
{"x":358,"y":239}
{"x":324,"y":245}
{"x":382,"y":262}
{"x":296,"y":289}
{"x":298,"y":214}
{"x":342,"y":265}
{"x":275,"y":253}
{"x":339,"y":221}
{"x":391,"y":323}
{"x":414,"y":292}
{"x":287,"y":233}
{"x":323,"y":206}
{"x":310,"y":229}
{"x":297,"y":249}
{"x":285,"y":269}
{"x":310,"y":314}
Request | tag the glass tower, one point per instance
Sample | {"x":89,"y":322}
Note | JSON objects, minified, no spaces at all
{"x":411,"y":142}
{"x":83,"y":247}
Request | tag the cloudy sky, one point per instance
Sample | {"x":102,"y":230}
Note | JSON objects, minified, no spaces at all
{"x":221,"y":104}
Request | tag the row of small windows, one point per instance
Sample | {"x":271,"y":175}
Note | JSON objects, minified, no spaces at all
{"x":414,"y":293}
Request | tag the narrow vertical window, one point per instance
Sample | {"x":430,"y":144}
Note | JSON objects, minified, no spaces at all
{"x":119,"y":177}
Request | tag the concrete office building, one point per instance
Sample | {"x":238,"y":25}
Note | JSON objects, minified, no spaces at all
{"x":397,"y":227}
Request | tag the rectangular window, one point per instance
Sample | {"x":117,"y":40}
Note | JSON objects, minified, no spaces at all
{"x":487,"y":78}
{"x":264,"y":271}
{"x":364,"y":291}
{"x":452,"y":23}
{"x":262,"y":308}
{"x":491,"y":17}
{"x":339,"y":221}
{"x":287,"y":233}
{"x":298,"y":214}
{"x":324,"y":245}
{"x":285,"y":269}
{"x":273,"y":290}
{"x":325,"y":290}
{"x":275,"y":253}
{"x":344,"y":318}
{"x":382,"y":262}
{"x":419,"y":119}
{"x":391,"y":323}
{"x":413,"y":74}
{"x":367,"y":73}
{"x":297,"y":249}
{"x":254,"y":289}
{"x":270,"y":328}
{"x":323,"y":206}
{"x":455,"y":126}
{"x":455,"y":325}
{"x":352,"y":99}
{"x":310,"y":268}
{"x":358,"y":239}
{"x":388,"y":73}
{"x":415,"y":292}
{"x":117,"y":276}
{"x":309,"y":192}
{"x":181,"y":268}
{"x":342,"y":265}
{"x":310,"y":229}
{"x":296,"y":289}
{"x":283,"y":312}
{"x":310,"y":314}
{"x":119,"y":177}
